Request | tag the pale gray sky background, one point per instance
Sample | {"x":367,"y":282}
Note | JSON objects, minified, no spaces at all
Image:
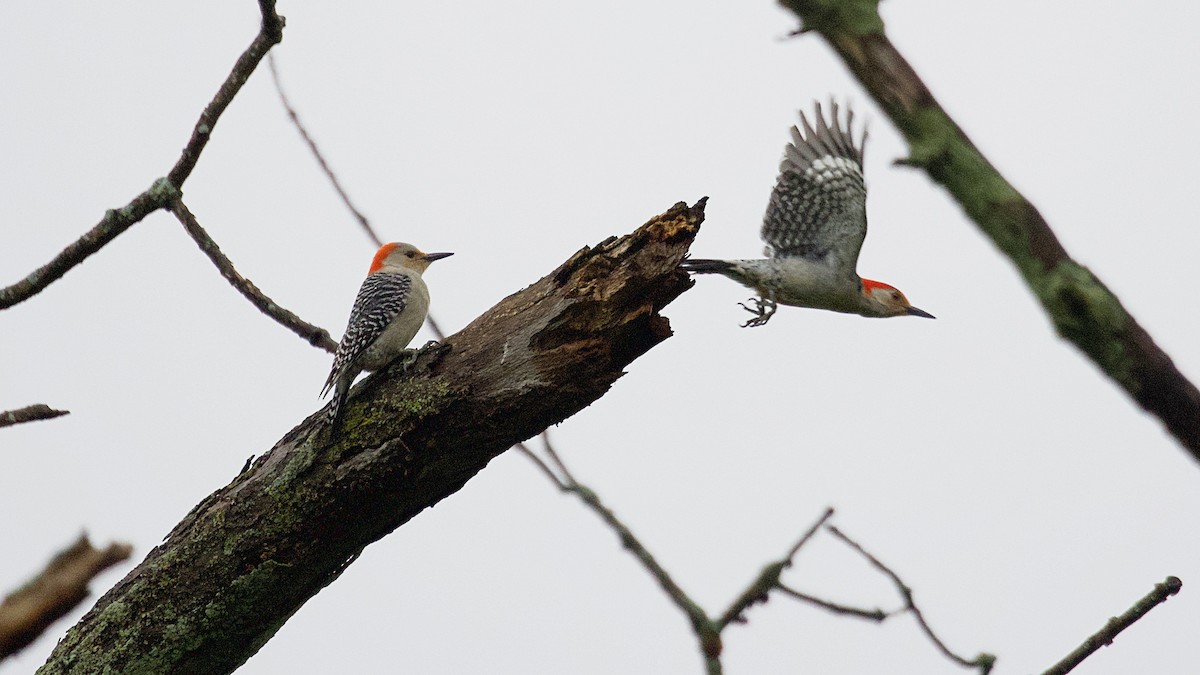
{"x":1020,"y":493}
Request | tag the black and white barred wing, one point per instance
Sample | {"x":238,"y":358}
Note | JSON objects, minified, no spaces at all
{"x":381,"y":298}
{"x":818,"y":207}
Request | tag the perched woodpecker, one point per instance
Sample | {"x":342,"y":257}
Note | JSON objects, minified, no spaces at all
{"x":814,"y":228}
{"x":389,"y":310}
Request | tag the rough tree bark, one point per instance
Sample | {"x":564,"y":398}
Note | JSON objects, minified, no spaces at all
{"x":245,"y":559}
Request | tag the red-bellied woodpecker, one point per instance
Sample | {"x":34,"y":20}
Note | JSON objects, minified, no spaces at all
{"x":389,"y":310}
{"x":814,"y":228}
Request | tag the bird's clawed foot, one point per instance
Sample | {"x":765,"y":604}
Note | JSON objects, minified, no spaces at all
{"x":763,"y":310}
{"x":437,"y":349}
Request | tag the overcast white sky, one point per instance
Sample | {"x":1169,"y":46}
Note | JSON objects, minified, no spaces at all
{"x":1022,"y":495}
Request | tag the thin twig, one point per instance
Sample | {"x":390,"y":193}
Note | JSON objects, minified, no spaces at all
{"x":62,"y":585}
{"x":877,"y":615}
{"x":1115,"y":625}
{"x":984,"y":662}
{"x":314,"y":335}
{"x":707,"y":632}
{"x":768,"y":579}
{"x":312,"y":146}
{"x":165,"y":190}
{"x":545,"y":468}
{"x":30,"y":413}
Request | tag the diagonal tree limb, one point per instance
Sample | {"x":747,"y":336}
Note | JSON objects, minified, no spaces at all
{"x":314,"y":335}
{"x":30,"y":413}
{"x":1081,"y":307}
{"x":1115,"y":625}
{"x":252,"y":553}
{"x":165,"y":190}
{"x":30,"y":610}
{"x":114,"y":222}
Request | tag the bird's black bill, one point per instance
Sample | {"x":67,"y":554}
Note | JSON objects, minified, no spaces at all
{"x":430,"y":257}
{"x":913,"y":311}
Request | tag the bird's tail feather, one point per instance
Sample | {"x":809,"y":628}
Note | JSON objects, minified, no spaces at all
{"x":705,"y":266}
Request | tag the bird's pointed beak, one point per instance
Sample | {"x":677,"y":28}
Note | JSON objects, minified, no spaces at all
{"x":430,"y":257}
{"x":913,"y":311}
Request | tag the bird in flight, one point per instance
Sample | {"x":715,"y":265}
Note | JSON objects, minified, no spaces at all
{"x":814,"y":229}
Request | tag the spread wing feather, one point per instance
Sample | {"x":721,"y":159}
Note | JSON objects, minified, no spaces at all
{"x":818,"y":207}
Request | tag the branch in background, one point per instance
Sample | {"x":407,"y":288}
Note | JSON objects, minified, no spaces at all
{"x":115,"y":222}
{"x":251,"y":554}
{"x":707,"y":629}
{"x":312,"y":146}
{"x":708,"y":632}
{"x":314,"y":335}
{"x":30,"y":413}
{"x":984,"y":662}
{"x":1083,"y":310}
{"x":269,"y":34}
{"x":30,"y":610}
{"x":877,"y":615}
{"x":768,"y":579}
{"x":165,"y":190}
{"x":1106,"y":635}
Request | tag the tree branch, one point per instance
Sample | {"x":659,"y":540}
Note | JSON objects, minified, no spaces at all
{"x":316,"y":152}
{"x":1081,"y":307}
{"x":30,"y":610}
{"x":708,"y":633}
{"x":1113,"y":628}
{"x":165,"y":190}
{"x":984,"y":662}
{"x":768,"y":579}
{"x":251,"y":554}
{"x":30,"y":413}
{"x":314,"y":335}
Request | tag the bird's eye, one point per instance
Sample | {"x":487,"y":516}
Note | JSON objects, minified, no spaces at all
{"x":896,"y":296}
{"x":411,"y":254}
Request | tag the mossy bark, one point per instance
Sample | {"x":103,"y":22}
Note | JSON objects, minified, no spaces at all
{"x":249,"y":556}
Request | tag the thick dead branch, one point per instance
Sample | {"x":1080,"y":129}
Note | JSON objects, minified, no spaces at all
{"x":28,"y":611}
{"x":252,"y":553}
{"x":1081,"y":307}
{"x":30,"y":413}
{"x":164,"y":190}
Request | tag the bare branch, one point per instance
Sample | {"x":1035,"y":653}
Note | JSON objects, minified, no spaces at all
{"x":312,"y":146}
{"x":984,"y":662}
{"x":707,"y":632}
{"x":28,"y":611}
{"x":1082,"y":308}
{"x":114,"y":222}
{"x":165,"y":190}
{"x":877,"y":615}
{"x":30,"y":413}
{"x":314,"y":335}
{"x":1106,"y":635}
{"x":270,"y":33}
{"x":768,"y":579}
